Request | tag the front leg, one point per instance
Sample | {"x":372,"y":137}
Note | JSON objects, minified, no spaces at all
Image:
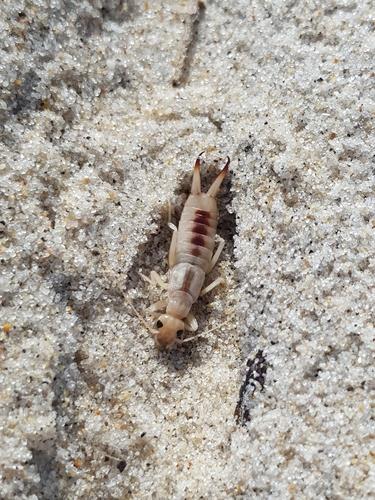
{"x":160,"y":304}
{"x":191,"y":324}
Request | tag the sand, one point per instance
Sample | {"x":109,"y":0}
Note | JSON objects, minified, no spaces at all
{"x":105,"y":106}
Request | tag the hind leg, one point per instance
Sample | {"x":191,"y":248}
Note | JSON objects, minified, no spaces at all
{"x":172,"y":248}
{"x":217,"y":254}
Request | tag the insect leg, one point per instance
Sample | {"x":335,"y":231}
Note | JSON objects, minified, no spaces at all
{"x":191,"y":324}
{"x":211,"y":286}
{"x":215,"y":258}
{"x":169,"y":212}
{"x":172,"y":248}
{"x":155,"y":280}
{"x":156,"y":314}
{"x":158,"y":305}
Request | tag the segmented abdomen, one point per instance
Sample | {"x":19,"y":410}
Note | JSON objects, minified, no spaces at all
{"x":196,"y":236}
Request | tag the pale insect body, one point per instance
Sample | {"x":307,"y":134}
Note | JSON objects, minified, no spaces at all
{"x":190,"y":259}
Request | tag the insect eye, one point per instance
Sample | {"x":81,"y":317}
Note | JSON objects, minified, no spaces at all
{"x":180,"y":332}
{"x":159,"y":324}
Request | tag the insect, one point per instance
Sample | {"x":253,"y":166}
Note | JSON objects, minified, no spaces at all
{"x":190,"y":259}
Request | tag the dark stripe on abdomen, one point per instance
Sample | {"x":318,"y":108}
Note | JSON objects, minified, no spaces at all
{"x":185,"y":286}
{"x":198,"y":240}
{"x":200,"y":229}
{"x":202,"y":217}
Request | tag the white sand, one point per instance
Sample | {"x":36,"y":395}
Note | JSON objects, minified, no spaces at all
{"x":95,"y":140}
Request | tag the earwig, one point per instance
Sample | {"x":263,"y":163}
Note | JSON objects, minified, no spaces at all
{"x":190,"y":259}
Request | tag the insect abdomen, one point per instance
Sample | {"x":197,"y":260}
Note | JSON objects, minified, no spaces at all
{"x":196,"y":236}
